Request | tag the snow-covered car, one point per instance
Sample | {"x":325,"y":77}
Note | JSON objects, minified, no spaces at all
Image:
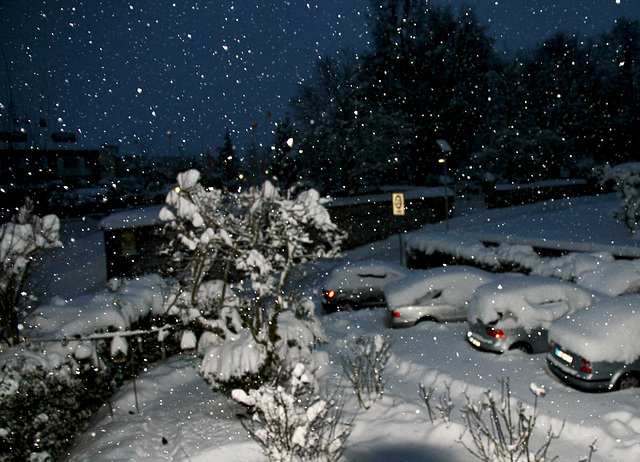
{"x":359,"y":284}
{"x":616,"y":277}
{"x":516,"y":313}
{"x":437,"y":294}
{"x":598,"y":347}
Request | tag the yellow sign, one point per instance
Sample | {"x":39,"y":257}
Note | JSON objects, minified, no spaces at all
{"x":398,"y":203}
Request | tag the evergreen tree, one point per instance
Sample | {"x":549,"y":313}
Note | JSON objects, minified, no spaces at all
{"x":227,"y":162}
{"x":561,"y":109}
{"x":432,"y":69}
{"x":348,"y":142}
{"x":284,"y":163}
{"x":550,"y":112}
{"x":618,"y":64}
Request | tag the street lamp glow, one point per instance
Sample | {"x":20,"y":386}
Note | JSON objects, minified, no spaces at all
{"x":446,"y":149}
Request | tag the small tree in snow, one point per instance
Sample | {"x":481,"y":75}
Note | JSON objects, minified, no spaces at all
{"x":20,"y":240}
{"x":626,"y":178}
{"x":293,"y":422}
{"x":251,"y":241}
{"x":502,"y":431}
{"x":496,"y":428}
{"x":365,"y":367}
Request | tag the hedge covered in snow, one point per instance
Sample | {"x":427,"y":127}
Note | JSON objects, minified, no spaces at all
{"x":597,"y":271}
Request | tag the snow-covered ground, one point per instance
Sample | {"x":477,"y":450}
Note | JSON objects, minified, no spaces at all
{"x":181,"y":419}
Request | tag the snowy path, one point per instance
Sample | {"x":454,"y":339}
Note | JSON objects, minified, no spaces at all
{"x":179,"y":415}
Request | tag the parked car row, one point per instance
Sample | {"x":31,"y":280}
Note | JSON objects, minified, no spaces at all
{"x":592,"y":339}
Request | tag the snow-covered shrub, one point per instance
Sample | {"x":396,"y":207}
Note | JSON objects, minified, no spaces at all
{"x":364,"y":368}
{"x":501,"y":430}
{"x":20,"y":239}
{"x":444,"y":404}
{"x":294,"y":420}
{"x":42,"y":409}
{"x":626,"y":179}
{"x":496,"y":427}
{"x":250,"y":241}
{"x":44,"y":402}
{"x":239,"y":361}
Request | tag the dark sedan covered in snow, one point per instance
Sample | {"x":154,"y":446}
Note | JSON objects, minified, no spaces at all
{"x":359,"y":284}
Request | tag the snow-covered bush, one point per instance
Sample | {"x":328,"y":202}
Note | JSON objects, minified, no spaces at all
{"x":626,"y":179}
{"x":44,"y":401}
{"x":294,"y":421}
{"x":249,"y":242}
{"x":501,"y":431}
{"x":444,"y":404}
{"x":42,"y":408}
{"x":364,"y":368}
{"x":20,"y":240}
{"x":497,"y":428}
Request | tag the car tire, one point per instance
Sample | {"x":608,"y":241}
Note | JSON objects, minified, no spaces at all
{"x":522,"y":346}
{"x":628,"y":381}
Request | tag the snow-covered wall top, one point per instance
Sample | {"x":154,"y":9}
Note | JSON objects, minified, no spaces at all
{"x":597,"y":271}
{"x":540,"y":184}
{"x":541,"y":243}
{"x":147,"y":216}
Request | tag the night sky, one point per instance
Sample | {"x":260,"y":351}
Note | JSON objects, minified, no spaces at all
{"x":130,"y":72}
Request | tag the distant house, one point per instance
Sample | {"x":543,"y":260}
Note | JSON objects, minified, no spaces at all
{"x":32,"y":166}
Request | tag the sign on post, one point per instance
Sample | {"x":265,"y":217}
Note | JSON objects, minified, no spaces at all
{"x":398,"y":203}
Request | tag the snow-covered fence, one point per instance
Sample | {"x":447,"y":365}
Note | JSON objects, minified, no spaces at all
{"x":91,"y":342}
{"x":504,"y":195}
{"x":370,"y":218}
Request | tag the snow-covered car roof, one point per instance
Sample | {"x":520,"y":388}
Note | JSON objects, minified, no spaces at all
{"x":608,"y":330}
{"x":352,"y":272}
{"x":612,"y":278}
{"x":535,"y":301}
{"x":457,"y":284}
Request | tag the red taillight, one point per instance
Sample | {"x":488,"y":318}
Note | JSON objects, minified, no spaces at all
{"x":331,"y":294}
{"x":586,"y":367}
{"x":496,"y":333}
{"x":395,"y":314}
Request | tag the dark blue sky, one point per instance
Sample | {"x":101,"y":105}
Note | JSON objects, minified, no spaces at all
{"x":128,"y":73}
